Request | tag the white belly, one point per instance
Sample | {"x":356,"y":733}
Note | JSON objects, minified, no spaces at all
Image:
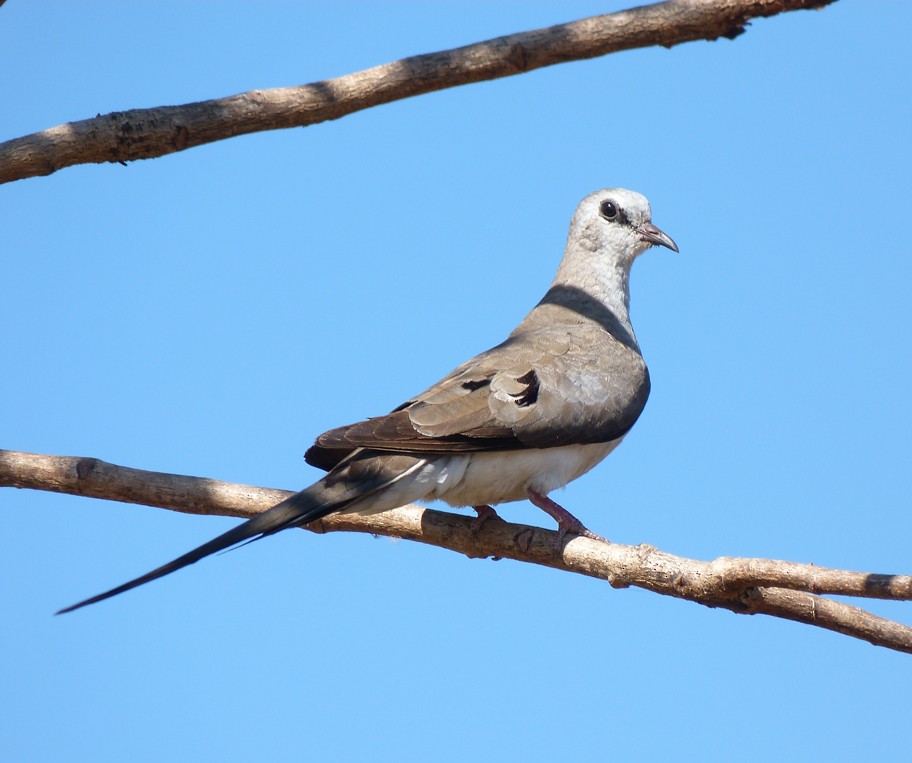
{"x":475,"y":479}
{"x":499,"y":477}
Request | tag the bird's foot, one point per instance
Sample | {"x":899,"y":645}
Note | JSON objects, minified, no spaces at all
{"x":566,"y":522}
{"x":485,"y":513}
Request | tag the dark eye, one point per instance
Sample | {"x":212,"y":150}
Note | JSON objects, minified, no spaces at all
{"x":609,"y":210}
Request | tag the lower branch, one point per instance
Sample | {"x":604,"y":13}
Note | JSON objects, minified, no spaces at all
{"x":745,"y":586}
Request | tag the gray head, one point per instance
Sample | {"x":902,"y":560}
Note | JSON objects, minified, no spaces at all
{"x":617,"y":221}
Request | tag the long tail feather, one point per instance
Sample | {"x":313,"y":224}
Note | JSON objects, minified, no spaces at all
{"x":297,"y":510}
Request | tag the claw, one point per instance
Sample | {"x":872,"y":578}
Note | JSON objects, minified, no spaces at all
{"x":566,"y":522}
{"x":485,"y":513}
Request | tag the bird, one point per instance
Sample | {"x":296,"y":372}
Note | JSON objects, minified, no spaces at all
{"x":516,"y":422}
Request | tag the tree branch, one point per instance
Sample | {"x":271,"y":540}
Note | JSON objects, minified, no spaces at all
{"x":123,"y":136}
{"x":745,"y":586}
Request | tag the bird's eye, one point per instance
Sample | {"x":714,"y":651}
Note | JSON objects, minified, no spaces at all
{"x":609,"y":210}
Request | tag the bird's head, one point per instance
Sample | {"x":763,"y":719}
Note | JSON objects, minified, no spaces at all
{"x":619,"y":222}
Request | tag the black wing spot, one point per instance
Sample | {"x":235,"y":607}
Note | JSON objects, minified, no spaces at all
{"x":530,"y":395}
{"x":472,"y":384}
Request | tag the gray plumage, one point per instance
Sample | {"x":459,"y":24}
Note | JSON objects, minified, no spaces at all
{"x":518,"y":421}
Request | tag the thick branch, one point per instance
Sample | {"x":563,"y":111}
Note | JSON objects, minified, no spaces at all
{"x":146,"y":133}
{"x":746,"y":586}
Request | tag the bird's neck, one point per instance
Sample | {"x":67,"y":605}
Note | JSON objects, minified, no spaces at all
{"x":595,"y":291}
{"x":606,"y":283}
{"x":606,"y":279}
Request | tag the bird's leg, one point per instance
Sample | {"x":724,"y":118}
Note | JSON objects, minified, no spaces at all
{"x":566,"y":522}
{"x":485,"y":513}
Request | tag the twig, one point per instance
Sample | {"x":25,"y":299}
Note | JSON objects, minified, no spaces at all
{"x":745,"y":586}
{"x":123,"y":136}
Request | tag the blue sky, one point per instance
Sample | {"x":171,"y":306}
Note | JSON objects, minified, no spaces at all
{"x":211,"y":312}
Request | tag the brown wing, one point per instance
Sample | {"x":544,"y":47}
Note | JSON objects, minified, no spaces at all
{"x":538,"y":389}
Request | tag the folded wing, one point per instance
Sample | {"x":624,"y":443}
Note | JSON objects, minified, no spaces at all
{"x":536,"y":390}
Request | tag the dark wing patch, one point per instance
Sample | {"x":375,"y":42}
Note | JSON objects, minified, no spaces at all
{"x":530,"y":395}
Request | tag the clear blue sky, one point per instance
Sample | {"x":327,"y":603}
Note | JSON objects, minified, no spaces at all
{"x":210,"y":312}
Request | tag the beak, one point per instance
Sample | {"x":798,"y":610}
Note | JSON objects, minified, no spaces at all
{"x":654,"y":235}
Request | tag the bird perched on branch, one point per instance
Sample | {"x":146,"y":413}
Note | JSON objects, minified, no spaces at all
{"x":515,"y":422}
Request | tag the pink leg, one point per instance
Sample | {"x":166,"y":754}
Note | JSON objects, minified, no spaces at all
{"x":566,"y":522}
{"x":485,"y":513}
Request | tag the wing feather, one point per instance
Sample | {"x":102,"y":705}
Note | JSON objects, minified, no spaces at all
{"x":537,"y":389}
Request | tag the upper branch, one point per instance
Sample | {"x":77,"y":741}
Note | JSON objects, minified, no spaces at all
{"x":744,"y":586}
{"x":146,"y":133}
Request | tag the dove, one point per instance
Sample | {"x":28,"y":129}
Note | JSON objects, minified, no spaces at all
{"x":515,"y":422}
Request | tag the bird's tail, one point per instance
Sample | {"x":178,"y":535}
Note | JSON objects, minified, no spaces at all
{"x":308,"y":505}
{"x":357,"y":482}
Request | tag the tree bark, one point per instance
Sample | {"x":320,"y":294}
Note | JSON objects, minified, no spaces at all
{"x":124,"y":136}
